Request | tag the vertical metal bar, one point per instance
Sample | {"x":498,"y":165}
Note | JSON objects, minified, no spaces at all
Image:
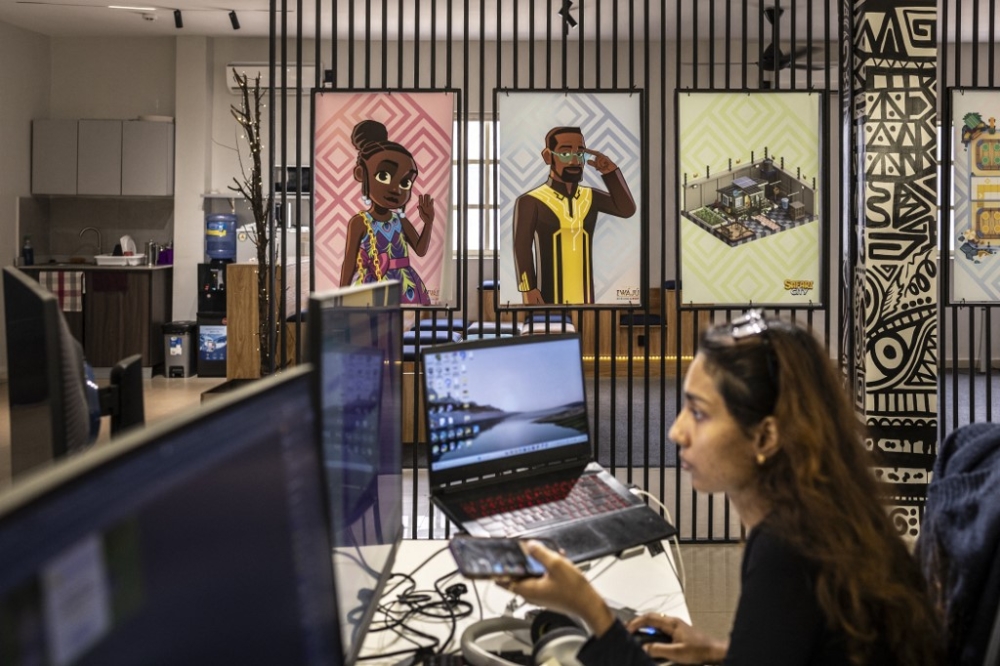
{"x":384,"y":46}
{"x":744,"y":47}
{"x":531,"y":44}
{"x":958,"y":41}
{"x":975,"y":42}
{"x":614,"y":46}
{"x":954,"y":367}
{"x":399,"y":46}
{"x":988,"y":353}
{"x":368,"y":43}
{"x":548,"y":45}
{"x":416,"y":43}
{"x":350,"y":44}
{"x":597,"y":42}
{"x":972,"y":364}
{"x":992,"y":50}
{"x":694,"y":46}
{"x":711,"y":45}
{"x":728,"y":48}
{"x":581,"y":51}
{"x":334,"y":42}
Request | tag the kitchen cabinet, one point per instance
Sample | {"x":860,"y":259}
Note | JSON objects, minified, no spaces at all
{"x":123,"y":314}
{"x":99,"y":160}
{"x":102,"y":157}
{"x":147,"y":158}
{"x":53,"y":156}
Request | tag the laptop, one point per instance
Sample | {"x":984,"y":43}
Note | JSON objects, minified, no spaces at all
{"x":509,"y":451}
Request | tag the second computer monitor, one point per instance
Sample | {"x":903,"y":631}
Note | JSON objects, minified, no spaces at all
{"x":355,"y":344}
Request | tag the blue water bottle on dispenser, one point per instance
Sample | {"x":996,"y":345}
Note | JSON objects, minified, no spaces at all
{"x":220,"y":237}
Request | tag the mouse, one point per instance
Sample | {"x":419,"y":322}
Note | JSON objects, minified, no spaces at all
{"x":651,"y":635}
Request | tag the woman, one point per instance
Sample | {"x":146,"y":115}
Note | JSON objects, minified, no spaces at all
{"x":377,"y":238}
{"x":825,"y":578}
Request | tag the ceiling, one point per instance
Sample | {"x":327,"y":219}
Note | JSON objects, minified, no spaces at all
{"x":210,"y":18}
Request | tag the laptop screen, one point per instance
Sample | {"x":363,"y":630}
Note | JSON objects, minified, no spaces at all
{"x":502,"y":402}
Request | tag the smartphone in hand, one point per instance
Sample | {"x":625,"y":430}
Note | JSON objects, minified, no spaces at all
{"x":485,"y":557}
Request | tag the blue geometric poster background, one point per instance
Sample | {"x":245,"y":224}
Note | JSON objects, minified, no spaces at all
{"x":611,"y":123}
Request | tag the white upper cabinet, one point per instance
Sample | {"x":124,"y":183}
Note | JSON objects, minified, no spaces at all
{"x":99,"y":163}
{"x":147,"y":158}
{"x":102,"y":157}
{"x":53,"y":156}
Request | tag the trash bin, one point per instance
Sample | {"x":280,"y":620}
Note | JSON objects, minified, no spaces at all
{"x":178,"y":348}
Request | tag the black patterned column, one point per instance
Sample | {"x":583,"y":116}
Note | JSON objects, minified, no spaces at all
{"x":892,"y":177}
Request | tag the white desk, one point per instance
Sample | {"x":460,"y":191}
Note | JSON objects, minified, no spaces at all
{"x":642,"y":583}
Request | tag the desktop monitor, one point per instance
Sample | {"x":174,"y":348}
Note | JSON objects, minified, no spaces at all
{"x":355,"y":343}
{"x":49,"y":412}
{"x":198,"y":540}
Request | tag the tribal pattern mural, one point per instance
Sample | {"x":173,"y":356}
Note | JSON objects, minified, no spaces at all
{"x":894,"y":67}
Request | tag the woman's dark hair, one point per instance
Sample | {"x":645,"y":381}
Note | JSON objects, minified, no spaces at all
{"x":825,"y":499}
{"x":370,"y":137}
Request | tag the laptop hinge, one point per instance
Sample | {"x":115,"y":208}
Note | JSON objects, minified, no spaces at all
{"x":574,"y":465}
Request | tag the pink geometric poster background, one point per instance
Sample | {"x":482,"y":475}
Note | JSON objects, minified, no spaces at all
{"x":422,"y":123}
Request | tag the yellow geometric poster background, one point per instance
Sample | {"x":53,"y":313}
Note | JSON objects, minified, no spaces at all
{"x":749,"y":227}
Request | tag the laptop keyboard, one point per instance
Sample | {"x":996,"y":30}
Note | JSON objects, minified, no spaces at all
{"x":556,"y":502}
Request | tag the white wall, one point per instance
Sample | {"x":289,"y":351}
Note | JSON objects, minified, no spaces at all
{"x":24,"y":81}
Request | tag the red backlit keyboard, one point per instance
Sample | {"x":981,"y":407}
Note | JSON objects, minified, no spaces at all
{"x":560,"y":501}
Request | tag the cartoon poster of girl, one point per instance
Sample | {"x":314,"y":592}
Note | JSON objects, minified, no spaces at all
{"x":383,"y":191}
{"x":381,"y":236}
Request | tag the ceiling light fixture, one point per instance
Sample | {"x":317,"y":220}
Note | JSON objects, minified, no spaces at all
{"x":133,"y":9}
{"x":235,"y":21}
{"x":178,"y":19}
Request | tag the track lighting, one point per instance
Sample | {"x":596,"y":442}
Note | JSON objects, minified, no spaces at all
{"x":178,"y":20}
{"x":235,"y":21}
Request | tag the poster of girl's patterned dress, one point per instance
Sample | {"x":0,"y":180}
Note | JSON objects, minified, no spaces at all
{"x":382,"y":191}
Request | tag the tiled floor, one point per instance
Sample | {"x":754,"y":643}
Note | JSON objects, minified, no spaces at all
{"x":712,"y":571}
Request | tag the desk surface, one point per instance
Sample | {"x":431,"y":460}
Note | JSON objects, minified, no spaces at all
{"x":642,"y":583}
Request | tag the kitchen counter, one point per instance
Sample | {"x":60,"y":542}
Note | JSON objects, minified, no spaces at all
{"x":91,"y":267}
{"x":121,"y":310}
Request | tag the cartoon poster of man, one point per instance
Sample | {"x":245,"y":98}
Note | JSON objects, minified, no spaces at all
{"x":555,"y":222}
{"x":382,"y":192}
{"x":569,"y":227}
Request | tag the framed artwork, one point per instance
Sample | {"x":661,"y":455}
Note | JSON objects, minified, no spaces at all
{"x":975,"y":194}
{"x":749,"y":225}
{"x":570,"y":175}
{"x":382,"y":191}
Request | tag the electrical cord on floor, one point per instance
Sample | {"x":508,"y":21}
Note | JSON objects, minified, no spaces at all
{"x":677,"y":546}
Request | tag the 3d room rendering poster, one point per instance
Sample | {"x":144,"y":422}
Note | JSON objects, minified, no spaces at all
{"x":382,"y":191}
{"x":751,"y":190}
{"x":569,"y":227}
{"x":975,"y":195}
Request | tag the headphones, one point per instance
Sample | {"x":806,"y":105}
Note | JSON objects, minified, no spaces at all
{"x":553,"y":636}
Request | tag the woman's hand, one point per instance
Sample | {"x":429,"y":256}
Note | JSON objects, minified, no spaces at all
{"x":562,"y":588}
{"x":425,"y":204}
{"x":689,"y":646}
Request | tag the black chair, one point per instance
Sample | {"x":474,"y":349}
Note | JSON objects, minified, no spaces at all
{"x":959,"y":545}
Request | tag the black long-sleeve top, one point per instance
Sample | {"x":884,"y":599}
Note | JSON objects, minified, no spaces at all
{"x":778,"y":620}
